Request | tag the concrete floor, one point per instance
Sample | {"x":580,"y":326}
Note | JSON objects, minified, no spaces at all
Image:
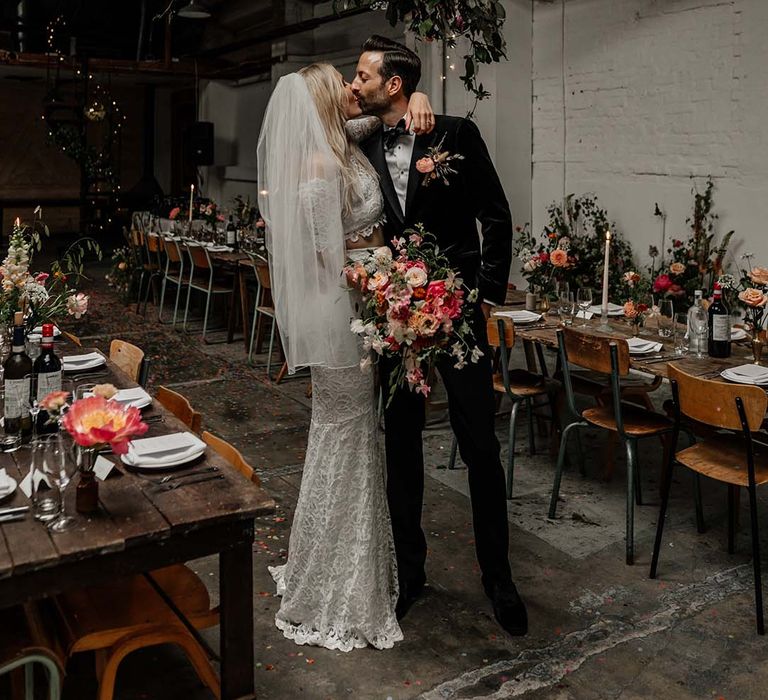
{"x":598,"y":628}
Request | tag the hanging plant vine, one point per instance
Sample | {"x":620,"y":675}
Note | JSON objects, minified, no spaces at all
{"x":478,"y":21}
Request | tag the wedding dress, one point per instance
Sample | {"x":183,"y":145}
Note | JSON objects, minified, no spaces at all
{"x":339,"y":585}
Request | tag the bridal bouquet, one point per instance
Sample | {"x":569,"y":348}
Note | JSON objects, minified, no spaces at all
{"x":414,"y":309}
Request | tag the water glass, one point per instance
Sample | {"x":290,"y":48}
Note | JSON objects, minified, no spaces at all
{"x":699,"y":330}
{"x":60,"y":466}
{"x":666,"y":318}
{"x":9,"y":440}
{"x":46,"y":501}
{"x":566,"y":307}
{"x":680,"y":330}
{"x":584,"y":301}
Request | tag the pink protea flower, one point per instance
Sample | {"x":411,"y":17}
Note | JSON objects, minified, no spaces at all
{"x":94,"y":421}
{"x":55,"y":401}
{"x":174,"y":213}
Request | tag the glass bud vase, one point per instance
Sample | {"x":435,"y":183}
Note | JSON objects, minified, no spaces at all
{"x":758,"y":343}
{"x":87,"y":491}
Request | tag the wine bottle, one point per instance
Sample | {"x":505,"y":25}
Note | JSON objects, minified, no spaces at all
{"x":231,"y":232}
{"x":47,"y":370}
{"x":719,"y":326}
{"x":17,"y":375}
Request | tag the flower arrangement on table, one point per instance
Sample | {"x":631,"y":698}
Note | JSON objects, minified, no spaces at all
{"x":751,"y":289}
{"x":42,"y":296}
{"x":695,"y":261}
{"x":572,"y":248}
{"x":543,"y":262}
{"x":635,"y":295}
{"x":415,"y":308}
{"x":122,"y":271}
{"x":207,"y":211}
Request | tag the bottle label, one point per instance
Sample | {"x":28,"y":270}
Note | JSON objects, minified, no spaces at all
{"x":230,"y":237}
{"x":721,"y":327}
{"x":48,"y":382}
{"x":16,"y":397}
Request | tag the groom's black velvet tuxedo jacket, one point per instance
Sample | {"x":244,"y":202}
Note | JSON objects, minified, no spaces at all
{"x":451,"y":211}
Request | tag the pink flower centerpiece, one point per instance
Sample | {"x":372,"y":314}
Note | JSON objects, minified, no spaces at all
{"x":96,"y":422}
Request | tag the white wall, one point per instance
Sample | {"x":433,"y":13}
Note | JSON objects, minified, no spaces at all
{"x":655,"y":91}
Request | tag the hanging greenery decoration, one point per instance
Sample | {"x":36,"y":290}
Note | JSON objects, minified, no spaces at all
{"x":68,"y":138}
{"x":478,"y":21}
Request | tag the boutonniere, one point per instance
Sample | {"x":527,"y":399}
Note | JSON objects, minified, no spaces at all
{"x":437,"y":164}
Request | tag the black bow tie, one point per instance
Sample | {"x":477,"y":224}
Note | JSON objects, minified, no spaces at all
{"x":391,"y":135}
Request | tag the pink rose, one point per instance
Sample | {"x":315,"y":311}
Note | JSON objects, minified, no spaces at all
{"x":77,"y":304}
{"x":41,"y":277}
{"x":753,"y":297}
{"x":662,"y":283}
{"x":425,"y":165}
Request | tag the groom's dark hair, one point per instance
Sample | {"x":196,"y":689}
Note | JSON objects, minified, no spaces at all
{"x":398,"y":60}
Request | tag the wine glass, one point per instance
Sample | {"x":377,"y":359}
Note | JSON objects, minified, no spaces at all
{"x":584,"y":300}
{"x":700,"y":329}
{"x":59,"y":465}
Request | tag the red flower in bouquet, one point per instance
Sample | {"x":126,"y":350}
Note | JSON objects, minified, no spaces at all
{"x":414,"y":308}
{"x":174,"y":213}
{"x":95,"y":421}
{"x":662,"y":283}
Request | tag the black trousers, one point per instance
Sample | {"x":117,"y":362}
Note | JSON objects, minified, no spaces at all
{"x":471,"y":407}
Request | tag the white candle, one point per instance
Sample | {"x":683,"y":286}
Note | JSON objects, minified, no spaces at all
{"x":191,"y":201}
{"x":604,"y":308}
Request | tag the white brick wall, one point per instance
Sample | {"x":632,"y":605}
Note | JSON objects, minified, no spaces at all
{"x":656,"y":91}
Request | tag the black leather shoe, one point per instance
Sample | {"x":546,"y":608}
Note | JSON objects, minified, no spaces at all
{"x":409,"y":594}
{"x":508,"y":608}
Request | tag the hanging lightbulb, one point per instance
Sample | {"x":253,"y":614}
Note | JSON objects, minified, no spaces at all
{"x":95,"y":111}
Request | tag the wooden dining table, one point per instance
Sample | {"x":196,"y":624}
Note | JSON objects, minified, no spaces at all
{"x":544,"y":334}
{"x":138,"y":528}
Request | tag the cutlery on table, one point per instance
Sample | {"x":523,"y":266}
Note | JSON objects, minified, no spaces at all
{"x":12,"y":518}
{"x":87,"y":375}
{"x":173,"y":485}
{"x":13,"y":511}
{"x":174,"y":477}
{"x":154,"y":419}
{"x":659,"y":358}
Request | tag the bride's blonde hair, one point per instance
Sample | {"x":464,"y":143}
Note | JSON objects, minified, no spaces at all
{"x":330,"y":97}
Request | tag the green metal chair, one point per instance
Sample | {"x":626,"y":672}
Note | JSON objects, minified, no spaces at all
{"x":630,"y":422}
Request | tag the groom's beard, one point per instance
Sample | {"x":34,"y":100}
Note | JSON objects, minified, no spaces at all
{"x":374,"y":105}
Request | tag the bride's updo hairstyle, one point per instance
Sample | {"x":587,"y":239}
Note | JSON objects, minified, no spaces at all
{"x":327,"y":89}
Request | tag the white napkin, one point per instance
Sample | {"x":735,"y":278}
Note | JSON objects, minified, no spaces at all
{"x":102,"y":467}
{"x":130,"y":395}
{"x":613,"y":309}
{"x":520,"y":316}
{"x":81,"y":359}
{"x":641,"y":345}
{"x":750,"y":371}
{"x":164,"y":444}
{"x":585,"y":314}
{"x":738,"y":333}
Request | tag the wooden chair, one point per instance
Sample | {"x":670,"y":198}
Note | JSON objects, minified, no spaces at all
{"x":180,"y":407}
{"x":731,"y":458}
{"x":127,"y":614}
{"x":264,"y":309}
{"x":140,"y":263}
{"x":128,"y":358}
{"x":26,"y":641}
{"x":232,"y":455}
{"x":519,"y":385}
{"x":628,"y":421}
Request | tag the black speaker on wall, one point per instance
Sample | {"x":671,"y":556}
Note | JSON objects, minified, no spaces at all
{"x":199,"y":143}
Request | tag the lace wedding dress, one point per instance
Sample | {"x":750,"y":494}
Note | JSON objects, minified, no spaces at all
{"x":339,"y":585}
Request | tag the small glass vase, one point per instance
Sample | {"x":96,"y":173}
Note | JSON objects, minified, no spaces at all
{"x":758,"y":343}
{"x":87,"y":490}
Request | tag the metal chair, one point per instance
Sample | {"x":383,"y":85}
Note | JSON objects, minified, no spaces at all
{"x":154,"y":251}
{"x":263,"y":308}
{"x":732,"y":458}
{"x":629,"y":422}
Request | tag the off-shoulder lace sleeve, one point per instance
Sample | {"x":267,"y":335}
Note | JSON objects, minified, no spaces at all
{"x":362,"y":128}
{"x":315,"y":197}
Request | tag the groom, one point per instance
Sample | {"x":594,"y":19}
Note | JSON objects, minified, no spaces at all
{"x":387,"y":74}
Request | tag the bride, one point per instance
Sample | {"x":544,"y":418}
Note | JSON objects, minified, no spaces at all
{"x":321,"y":203}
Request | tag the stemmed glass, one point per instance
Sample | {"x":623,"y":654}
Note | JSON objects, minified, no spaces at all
{"x":59,"y":465}
{"x":584,"y":300}
{"x":565,"y":307}
{"x":700,"y":329}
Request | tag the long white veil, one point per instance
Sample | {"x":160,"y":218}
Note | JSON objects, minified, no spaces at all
{"x":300,"y":201}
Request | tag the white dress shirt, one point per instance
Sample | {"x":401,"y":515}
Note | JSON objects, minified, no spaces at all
{"x":399,"y":164}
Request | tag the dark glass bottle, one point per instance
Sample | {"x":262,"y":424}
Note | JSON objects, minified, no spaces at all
{"x":719,"y":326}
{"x":47,"y":370}
{"x":231,"y":233}
{"x":17,"y":373}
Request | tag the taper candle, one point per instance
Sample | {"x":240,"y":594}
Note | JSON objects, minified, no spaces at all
{"x":606,"y":263}
{"x":191,"y":201}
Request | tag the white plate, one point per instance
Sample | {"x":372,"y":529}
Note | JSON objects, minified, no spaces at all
{"x":741,"y":379}
{"x":37,"y":332}
{"x":12,"y":482}
{"x":136,"y":397}
{"x":641,"y":346}
{"x":520,"y":317}
{"x":750,"y":371}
